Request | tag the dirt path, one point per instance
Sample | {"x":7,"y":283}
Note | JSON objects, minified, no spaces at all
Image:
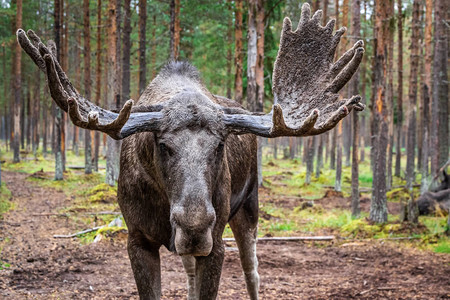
{"x":47,"y":268}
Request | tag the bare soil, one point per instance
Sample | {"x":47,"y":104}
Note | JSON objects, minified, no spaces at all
{"x":46,"y":268}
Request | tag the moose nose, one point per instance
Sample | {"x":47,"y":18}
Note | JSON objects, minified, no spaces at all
{"x":191,"y":218}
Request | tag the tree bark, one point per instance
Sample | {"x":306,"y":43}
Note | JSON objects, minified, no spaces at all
{"x":142,"y":45}
{"x":426,"y":94}
{"x":399,"y":116}
{"x":346,"y":123}
{"x":338,"y":181}
{"x":310,"y":160}
{"x":174,"y":29}
{"x":378,"y":207}
{"x":440,"y":135}
{"x":36,"y":113}
{"x":390,"y":96}
{"x":319,"y":162}
{"x":59,"y":168}
{"x":325,"y":12}
{"x":98,"y":81}
{"x":112,"y":93}
{"x":412,"y":94}
{"x":126,"y":50}
{"x":255,"y":64}
{"x":238,"y":53}
{"x":87,"y":83}
{"x":17,"y":86}
{"x":76,"y":129}
{"x":354,"y":88}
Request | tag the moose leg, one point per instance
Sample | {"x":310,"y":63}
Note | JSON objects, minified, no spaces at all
{"x":208,"y":270}
{"x":244,"y":228}
{"x":189,"y":268}
{"x":145,"y":263}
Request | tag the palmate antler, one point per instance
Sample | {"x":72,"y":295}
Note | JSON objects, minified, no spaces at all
{"x":82,"y":112}
{"x":306,"y":82}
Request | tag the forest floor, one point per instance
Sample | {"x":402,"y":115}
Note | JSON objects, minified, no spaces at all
{"x":34,"y":265}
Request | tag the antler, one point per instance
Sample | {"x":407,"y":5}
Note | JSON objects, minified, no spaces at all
{"x":82,"y":112}
{"x":306,"y":82}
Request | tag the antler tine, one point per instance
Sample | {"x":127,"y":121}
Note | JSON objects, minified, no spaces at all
{"x":343,"y":77}
{"x":342,"y":112}
{"x":30,"y":49}
{"x":64,"y":80}
{"x":280,"y":128}
{"x":345,"y":59}
{"x":56,"y":90}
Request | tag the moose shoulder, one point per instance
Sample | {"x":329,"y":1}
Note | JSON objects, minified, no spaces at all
{"x":188,"y":158}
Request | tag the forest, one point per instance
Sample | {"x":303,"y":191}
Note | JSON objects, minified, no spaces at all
{"x":360,"y":211}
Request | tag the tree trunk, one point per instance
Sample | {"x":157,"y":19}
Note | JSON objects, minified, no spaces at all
{"x":36,"y":113}
{"x":153,"y":59}
{"x":238,"y":53}
{"x":59,"y":168}
{"x":354,"y":84}
{"x":338,"y":181}
{"x":346,"y":123}
{"x":255,"y":63}
{"x":390,"y":96}
{"x":325,"y":12}
{"x":174,"y":29}
{"x":61,"y":52}
{"x":126,"y":50}
{"x":229,"y":80}
{"x":412,"y":94}
{"x":45,"y":117}
{"x":17,"y":86}
{"x":426,"y":95}
{"x":319,"y":162}
{"x":98,"y":80}
{"x":87,"y":83}
{"x":112,"y":93}
{"x":76,"y":129}
{"x":378,"y":207}
{"x":440,"y":83}
{"x":333,"y":149}
{"x":310,"y":160}
{"x":142,"y":45}
{"x":399,"y":116}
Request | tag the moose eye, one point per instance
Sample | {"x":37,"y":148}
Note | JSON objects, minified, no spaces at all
{"x":165,"y":150}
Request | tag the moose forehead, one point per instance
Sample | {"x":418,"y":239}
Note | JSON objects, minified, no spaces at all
{"x":192,"y":110}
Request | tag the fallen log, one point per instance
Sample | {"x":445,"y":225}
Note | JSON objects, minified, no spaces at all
{"x":289,"y":238}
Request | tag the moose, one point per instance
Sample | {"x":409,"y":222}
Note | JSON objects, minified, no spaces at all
{"x":188,"y":163}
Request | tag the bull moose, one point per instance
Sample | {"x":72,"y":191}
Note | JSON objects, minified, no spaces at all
{"x":188,"y":163}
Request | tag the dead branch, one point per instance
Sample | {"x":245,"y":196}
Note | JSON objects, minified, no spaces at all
{"x":49,"y":214}
{"x":63,"y":236}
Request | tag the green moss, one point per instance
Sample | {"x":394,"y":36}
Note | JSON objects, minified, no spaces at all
{"x":360,"y":228}
{"x":5,"y":203}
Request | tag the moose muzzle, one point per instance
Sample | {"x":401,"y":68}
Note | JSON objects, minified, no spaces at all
{"x":193,"y":228}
